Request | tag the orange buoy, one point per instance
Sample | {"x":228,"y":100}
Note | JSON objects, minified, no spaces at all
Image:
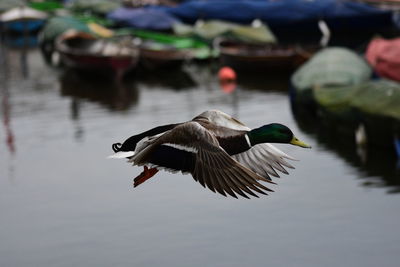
{"x":226,"y":74}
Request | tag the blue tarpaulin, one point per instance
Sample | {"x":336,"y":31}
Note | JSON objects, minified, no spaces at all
{"x":338,"y":14}
{"x":142,"y":18}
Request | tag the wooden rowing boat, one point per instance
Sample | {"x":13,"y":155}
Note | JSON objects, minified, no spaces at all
{"x":84,"y":51}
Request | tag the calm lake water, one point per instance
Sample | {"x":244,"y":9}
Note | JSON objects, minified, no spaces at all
{"x":62,"y":203}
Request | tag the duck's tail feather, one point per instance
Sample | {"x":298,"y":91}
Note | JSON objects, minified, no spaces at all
{"x":122,"y":154}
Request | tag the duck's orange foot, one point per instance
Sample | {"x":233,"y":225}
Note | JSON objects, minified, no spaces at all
{"x":146,"y":174}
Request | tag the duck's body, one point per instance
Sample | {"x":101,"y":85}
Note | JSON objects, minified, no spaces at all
{"x":219,"y":151}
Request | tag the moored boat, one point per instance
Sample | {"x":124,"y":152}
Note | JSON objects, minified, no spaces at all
{"x":290,"y":19}
{"x":54,"y":27}
{"x":383,"y":55}
{"x":153,"y":55}
{"x":22,"y":19}
{"x":84,"y":51}
{"x":262,"y":57}
{"x":166,"y":50}
{"x":383,"y":4}
{"x":332,"y":66}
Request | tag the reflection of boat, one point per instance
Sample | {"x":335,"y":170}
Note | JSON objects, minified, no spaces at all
{"x":114,"y":95}
{"x":23,"y":19}
{"x":179,"y":79}
{"x":241,"y":55}
{"x":379,"y":167}
{"x":267,"y":81}
{"x":21,"y":41}
{"x":373,"y":104}
{"x":5,"y":100}
{"x":84,"y":51}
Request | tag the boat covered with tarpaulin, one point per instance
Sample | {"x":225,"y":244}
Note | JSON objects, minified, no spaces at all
{"x":97,"y":7}
{"x":332,"y":66}
{"x":55,"y":27}
{"x":161,"y":49}
{"x":290,"y":15}
{"x":383,"y":4}
{"x":212,"y":29}
{"x":384,"y":57}
{"x":46,"y":5}
{"x":142,"y":18}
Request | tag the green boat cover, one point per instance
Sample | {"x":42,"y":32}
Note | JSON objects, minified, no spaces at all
{"x":211,"y":29}
{"x":334,"y":66}
{"x":91,"y":18}
{"x":200,"y":48}
{"x":46,"y":6}
{"x":58,"y":25}
{"x":378,"y":97}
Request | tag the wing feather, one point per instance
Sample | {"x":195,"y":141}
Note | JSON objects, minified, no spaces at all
{"x":203,"y":181}
{"x":265,"y":160}
{"x":273,"y":161}
{"x":226,"y":185}
{"x":255,"y":164}
{"x":243,"y":185}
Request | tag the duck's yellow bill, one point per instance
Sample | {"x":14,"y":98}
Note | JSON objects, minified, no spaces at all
{"x":295,"y":141}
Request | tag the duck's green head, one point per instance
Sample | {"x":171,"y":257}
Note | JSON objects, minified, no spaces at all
{"x":274,"y":133}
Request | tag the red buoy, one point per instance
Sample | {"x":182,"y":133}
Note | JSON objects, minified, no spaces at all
{"x":226,"y":74}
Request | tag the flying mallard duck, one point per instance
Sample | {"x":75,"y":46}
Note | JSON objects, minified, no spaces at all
{"x":219,"y":152}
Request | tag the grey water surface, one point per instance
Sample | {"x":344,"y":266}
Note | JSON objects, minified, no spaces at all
{"x":63,"y":203}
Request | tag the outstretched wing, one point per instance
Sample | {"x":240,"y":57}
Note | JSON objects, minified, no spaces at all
{"x":265,"y":160}
{"x":197,"y":151}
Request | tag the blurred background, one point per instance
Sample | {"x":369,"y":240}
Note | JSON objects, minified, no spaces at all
{"x":78,"y":76}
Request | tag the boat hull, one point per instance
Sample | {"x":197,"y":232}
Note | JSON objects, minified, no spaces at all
{"x":83,"y":51}
{"x":150,"y":58}
{"x":261,"y":57}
